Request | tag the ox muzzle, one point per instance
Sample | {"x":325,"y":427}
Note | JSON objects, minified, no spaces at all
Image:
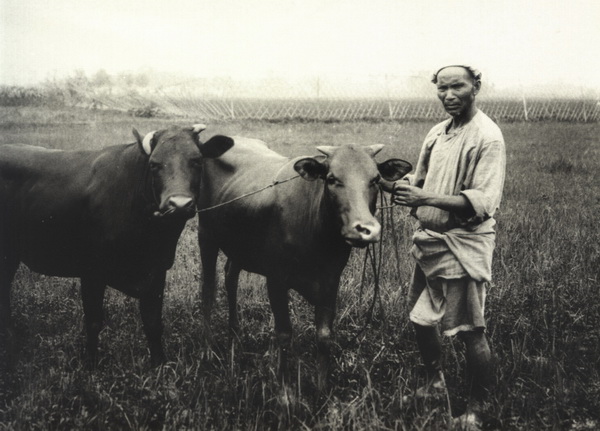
{"x":177,"y":206}
{"x":360,"y":234}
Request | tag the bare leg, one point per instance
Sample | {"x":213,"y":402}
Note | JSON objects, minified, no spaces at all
{"x":479,"y":372}
{"x":151,"y":311}
{"x":92,"y":295}
{"x":479,"y":366}
{"x":430,"y":346}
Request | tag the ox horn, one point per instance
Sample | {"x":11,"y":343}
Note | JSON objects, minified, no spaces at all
{"x":374,"y":149}
{"x":328,"y":150}
{"x":147,"y":142}
{"x":197,"y":128}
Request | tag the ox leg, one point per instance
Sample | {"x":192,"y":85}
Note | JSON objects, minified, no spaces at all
{"x":92,"y":295}
{"x":208,"y":255}
{"x":151,"y":311}
{"x":278,"y":297}
{"x":324,"y":316}
{"x":232,"y":275}
{"x":8,"y":268}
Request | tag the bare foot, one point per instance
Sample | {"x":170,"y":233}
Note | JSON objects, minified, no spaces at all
{"x":468,"y":421}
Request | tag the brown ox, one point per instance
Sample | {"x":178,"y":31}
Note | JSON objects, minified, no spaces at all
{"x":110,"y":217}
{"x":298,"y":234}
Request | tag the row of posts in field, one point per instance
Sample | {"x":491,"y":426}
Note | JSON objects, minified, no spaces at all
{"x":524,"y":109}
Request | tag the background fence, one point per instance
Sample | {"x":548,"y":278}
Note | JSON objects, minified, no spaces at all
{"x":273,"y":98}
{"x":537,"y":109}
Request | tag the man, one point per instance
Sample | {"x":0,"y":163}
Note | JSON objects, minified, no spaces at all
{"x":454,"y":193}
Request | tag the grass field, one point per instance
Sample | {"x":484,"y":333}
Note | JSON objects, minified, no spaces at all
{"x":543,"y":309}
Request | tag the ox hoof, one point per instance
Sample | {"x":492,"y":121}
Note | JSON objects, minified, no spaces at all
{"x":158,"y":359}
{"x":155,"y":363}
{"x":477,"y":417}
{"x":90,"y":362}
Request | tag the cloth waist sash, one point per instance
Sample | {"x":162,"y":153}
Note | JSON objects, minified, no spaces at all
{"x":457,"y":253}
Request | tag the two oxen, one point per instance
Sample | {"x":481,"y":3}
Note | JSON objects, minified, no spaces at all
{"x":113,"y":217}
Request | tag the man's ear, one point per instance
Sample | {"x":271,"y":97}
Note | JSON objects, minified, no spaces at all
{"x":310,"y":169}
{"x":394,"y":169}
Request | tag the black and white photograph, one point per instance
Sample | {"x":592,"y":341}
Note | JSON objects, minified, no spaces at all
{"x":299,"y":215}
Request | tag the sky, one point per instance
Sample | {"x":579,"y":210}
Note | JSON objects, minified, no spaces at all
{"x":513,"y":42}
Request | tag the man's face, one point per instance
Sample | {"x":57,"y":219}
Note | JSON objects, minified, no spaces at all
{"x":456,"y":90}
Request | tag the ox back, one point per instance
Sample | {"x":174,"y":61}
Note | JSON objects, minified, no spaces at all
{"x":110,"y":217}
{"x":80,"y":213}
{"x":298,"y":233}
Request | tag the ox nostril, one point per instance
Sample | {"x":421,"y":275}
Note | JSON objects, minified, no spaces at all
{"x":363,"y":230}
{"x":367,"y":231}
{"x":181,"y":202}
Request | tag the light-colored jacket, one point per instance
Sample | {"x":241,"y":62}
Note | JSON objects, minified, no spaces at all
{"x":469,"y":161}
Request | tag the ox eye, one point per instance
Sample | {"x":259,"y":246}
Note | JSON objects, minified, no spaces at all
{"x":155,"y":166}
{"x":331,"y":180}
{"x":376,"y":180}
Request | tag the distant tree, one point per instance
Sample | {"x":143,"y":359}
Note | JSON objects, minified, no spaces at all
{"x":101,"y":79}
{"x":141,"y":80}
{"x":77,"y":87}
{"x":79,"y":79}
{"x":127,"y":79}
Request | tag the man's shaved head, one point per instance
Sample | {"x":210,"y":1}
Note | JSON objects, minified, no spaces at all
{"x":474,"y":74}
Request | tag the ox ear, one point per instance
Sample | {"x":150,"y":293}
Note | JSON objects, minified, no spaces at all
{"x":216,"y":146}
{"x":310,"y":169}
{"x":372,"y":150}
{"x":394,"y":169}
{"x":137,"y":136}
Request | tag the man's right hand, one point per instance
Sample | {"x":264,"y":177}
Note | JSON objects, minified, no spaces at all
{"x":390,"y":186}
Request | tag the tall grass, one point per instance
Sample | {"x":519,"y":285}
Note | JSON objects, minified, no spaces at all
{"x":543,"y":309}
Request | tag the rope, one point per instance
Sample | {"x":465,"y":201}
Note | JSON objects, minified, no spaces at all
{"x":376,"y":266}
{"x":371,"y":256}
{"x":273,"y":184}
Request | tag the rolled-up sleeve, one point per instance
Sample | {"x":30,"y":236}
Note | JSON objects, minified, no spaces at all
{"x":484,"y":191}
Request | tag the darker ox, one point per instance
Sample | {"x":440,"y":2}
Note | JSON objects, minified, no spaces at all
{"x":110,"y":217}
{"x":298,"y":234}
